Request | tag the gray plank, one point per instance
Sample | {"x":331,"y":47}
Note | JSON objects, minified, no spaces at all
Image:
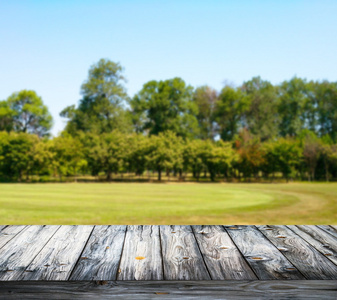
{"x":222,"y":257}
{"x":257,"y":289}
{"x":311,"y":263}
{"x":334,"y":227}
{"x":264,"y":258}
{"x":18,"y":253}
{"x":102,"y":254}
{"x":2,"y":227}
{"x":181,"y":255}
{"x":319,"y":239}
{"x":329,"y":229}
{"x":141,"y":258}
{"x":9,"y":232}
{"x":59,"y":256}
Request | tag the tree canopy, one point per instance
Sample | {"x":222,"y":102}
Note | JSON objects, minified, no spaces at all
{"x":206,"y":98}
{"x":24,"y":111}
{"x":254,"y":130}
{"x":101,"y":108}
{"x":229,"y":112}
{"x":166,"y":105}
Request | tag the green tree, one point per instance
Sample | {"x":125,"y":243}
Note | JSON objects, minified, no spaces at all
{"x":312,"y":148}
{"x":294,"y":99}
{"x":282,"y":155}
{"x":230,"y":111}
{"x":166,"y":105}
{"x":326,"y":98}
{"x":139,"y":145}
{"x":261,"y":118}
{"x":206,"y":98}
{"x":250,"y":154}
{"x":68,"y":155}
{"x":6,"y":117}
{"x":193,"y":154}
{"x":328,"y":154}
{"x":165,"y":152}
{"x":218,"y":158}
{"x":42,"y":158}
{"x":108,"y":152}
{"x":102,"y":108}
{"x":28,"y":113}
{"x":17,"y":154}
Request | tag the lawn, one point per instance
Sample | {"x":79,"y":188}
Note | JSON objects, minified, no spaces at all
{"x":174,"y":203}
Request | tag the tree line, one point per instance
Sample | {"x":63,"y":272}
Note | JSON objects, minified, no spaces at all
{"x":256,"y":130}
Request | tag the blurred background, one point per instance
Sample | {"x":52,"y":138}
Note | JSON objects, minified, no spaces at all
{"x":233,"y":105}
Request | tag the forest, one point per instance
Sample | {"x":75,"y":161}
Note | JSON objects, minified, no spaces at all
{"x":170,"y":130}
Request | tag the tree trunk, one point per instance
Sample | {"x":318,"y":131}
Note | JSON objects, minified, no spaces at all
{"x":159,"y":174}
{"x":326,"y":170}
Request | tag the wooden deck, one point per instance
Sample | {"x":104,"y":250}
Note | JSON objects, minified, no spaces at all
{"x":170,"y":262}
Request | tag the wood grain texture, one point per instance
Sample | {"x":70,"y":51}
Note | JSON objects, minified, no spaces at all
{"x":2,"y":227}
{"x":257,"y":289}
{"x":319,"y":239}
{"x":102,"y":254}
{"x":18,"y":253}
{"x":59,"y":256}
{"x":222,"y":257}
{"x":174,"y":252}
{"x":311,"y":263}
{"x":9,"y":232}
{"x":181,"y":255}
{"x":329,"y":229}
{"x":141,"y":258}
{"x":264,"y":258}
{"x":334,"y":227}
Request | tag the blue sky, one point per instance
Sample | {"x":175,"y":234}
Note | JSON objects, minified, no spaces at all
{"x":48,"y":46}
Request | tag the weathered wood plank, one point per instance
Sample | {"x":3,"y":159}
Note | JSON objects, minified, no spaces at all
{"x":18,"y":253}
{"x":9,"y":232}
{"x":102,"y":254}
{"x":59,"y":256}
{"x":141,"y":258}
{"x":222,"y":257}
{"x":264,"y":258}
{"x":328,"y":229}
{"x":257,"y":289}
{"x":311,"y":263}
{"x":319,"y":239}
{"x":2,"y":227}
{"x":334,"y":227}
{"x":181,"y":256}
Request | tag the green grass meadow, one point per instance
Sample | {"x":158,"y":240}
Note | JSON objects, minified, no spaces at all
{"x":170,"y":203}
